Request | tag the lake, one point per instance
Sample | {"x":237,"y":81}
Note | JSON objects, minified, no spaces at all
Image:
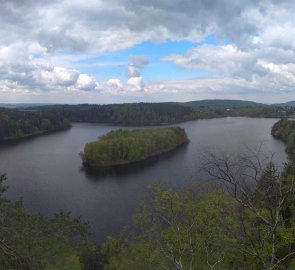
{"x":46,"y":171}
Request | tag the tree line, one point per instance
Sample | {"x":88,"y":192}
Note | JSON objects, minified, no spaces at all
{"x":158,"y":113}
{"x":24,"y":122}
{"x":128,"y":113}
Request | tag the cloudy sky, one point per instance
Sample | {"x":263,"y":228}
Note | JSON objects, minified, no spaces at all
{"x":113,"y":51}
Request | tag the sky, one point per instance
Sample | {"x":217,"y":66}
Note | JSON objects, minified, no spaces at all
{"x":116,"y":51}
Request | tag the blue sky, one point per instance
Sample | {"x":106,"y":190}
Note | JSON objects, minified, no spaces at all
{"x":109,"y":65}
{"x":137,"y":50}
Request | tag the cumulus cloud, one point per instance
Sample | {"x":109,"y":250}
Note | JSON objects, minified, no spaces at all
{"x":258,"y":57}
{"x":24,"y":68}
{"x":260,"y":69}
{"x":86,"y":82}
{"x":133,"y":71}
{"x":55,"y":76}
{"x":135,"y":84}
{"x":115,"y":83}
{"x":136,"y":64}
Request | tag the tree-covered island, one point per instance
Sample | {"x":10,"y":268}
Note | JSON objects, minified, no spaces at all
{"x":123,"y":146}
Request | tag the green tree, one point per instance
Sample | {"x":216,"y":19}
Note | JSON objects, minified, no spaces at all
{"x":34,"y":242}
{"x":179,"y":230}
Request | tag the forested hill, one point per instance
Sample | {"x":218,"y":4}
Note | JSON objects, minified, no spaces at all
{"x":16,"y":124}
{"x":222,"y":103}
{"x":156,"y":113}
{"x":288,"y":104}
{"x":23,"y":105}
{"x":208,"y":103}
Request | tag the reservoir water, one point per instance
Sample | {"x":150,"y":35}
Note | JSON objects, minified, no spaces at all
{"x":46,"y":171}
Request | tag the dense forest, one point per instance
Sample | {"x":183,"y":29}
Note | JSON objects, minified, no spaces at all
{"x":130,"y":114}
{"x":23,"y":122}
{"x":124,"y":146}
{"x":16,"y":123}
{"x":158,"y":113}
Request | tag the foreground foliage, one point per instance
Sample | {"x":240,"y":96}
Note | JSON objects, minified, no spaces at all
{"x":124,"y":146}
{"x":193,"y":229}
{"x":29,"y":242}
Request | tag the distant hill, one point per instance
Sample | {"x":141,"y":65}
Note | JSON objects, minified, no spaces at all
{"x":23,"y":105}
{"x":222,"y":103}
{"x":208,"y":103}
{"x":289,"y":103}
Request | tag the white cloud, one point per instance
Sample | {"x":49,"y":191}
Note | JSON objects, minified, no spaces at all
{"x":86,"y":82}
{"x":97,"y":25}
{"x":24,"y":68}
{"x":133,"y":71}
{"x":135,"y":84}
{"x":138,"y":61}
{"x":115,"y":83}
{"x":136,"y":64}
{"x":222,"y":59}
{"x":259,"y":59}
{"x":261,"y":69}
{"x":56,"y":76}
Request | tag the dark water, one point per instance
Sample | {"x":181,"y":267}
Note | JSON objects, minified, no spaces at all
{"x":46,"y":171}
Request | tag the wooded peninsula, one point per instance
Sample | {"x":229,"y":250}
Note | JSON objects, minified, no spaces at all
{"x":123,"y":146}
{"x":285,"y":130}
{"x":18,"y":124}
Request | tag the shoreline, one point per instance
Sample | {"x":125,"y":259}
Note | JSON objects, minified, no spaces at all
{"x":26,"y":137}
